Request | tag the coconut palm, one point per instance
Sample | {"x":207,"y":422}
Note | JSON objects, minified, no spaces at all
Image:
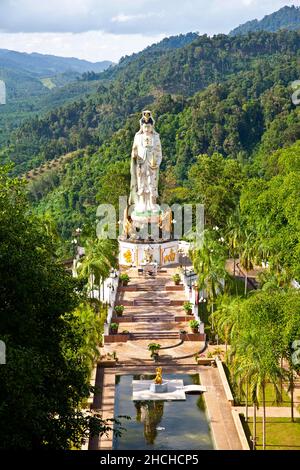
{"x":209,"y":265}
{"x":247,"y":254}
{"x":291,"y":333}
{"x":259,"y":365}
{"x":234,"y":235}
{"x":226,"y":317}
{"x":100,"y":258}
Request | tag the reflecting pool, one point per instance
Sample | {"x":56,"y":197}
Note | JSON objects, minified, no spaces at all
{"x":161,"y":425}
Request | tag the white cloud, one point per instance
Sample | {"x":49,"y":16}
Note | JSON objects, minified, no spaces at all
{"x":102,"y":29}
{"x":121,"y":18}
{"x":131,"y":16}
{"x":92,"y":45}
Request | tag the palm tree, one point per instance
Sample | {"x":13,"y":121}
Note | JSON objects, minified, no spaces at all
{"x":247,"y":254}
{"x":100,"y":258}
{"x":209,"y":265}
{"x":291,"y":333}
{"x":226,"y":317}
{"x":233,"y":235}
{"x":90,"y":326}
{"x":260,"y":364}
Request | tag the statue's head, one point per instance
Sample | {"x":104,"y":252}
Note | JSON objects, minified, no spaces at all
{"x":147,"y":122}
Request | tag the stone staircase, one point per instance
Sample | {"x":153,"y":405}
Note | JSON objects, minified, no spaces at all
{"x":155,"y":335}
{"x":151,"y":305}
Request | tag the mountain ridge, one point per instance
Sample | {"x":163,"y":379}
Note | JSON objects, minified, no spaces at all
{"x":287,"y":17}
{"x":48,"y":64}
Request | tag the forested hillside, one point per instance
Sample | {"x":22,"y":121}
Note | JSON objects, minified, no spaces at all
{"x":285,"y":18}
{"x":36,"y":83}
{"x":181,"y":71}
{"x":44,"y":65}
{"x":246,"y":118}
{"x":220,"y":95}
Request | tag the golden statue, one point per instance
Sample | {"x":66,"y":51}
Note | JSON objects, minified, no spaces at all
{"x":158,"y":378}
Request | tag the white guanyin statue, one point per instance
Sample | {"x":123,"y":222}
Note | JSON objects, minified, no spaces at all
{"x":146,"y":158}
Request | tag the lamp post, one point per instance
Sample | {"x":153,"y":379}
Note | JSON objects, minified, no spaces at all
{"x":173,"y":227}
{"x":74,"y":245}
{"x":202,"y":301}
{"x":76,"y":241}
{"x":185,"y":263}
{"x":78,"y":232}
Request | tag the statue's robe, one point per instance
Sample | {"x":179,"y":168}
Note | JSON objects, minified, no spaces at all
{"x":145,"y":161}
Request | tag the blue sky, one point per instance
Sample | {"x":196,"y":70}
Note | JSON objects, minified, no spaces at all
{"x":108,"y":29}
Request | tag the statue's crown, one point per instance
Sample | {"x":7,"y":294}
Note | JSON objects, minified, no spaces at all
{"x":147,"y":117}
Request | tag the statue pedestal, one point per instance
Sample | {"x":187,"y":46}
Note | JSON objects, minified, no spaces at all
{"x":135,"y":252}
{"x":159,"y":388}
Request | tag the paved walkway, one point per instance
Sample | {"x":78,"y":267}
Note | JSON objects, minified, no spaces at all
{"x":219,"y":411}
{"x":271,"y":411}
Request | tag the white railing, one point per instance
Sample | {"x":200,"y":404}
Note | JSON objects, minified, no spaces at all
{"x":107,"y":293}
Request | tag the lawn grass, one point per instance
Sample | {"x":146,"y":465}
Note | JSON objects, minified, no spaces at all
{"x":271,"y":397}
{"x":281,"y":433}
{"x":269,"y":393}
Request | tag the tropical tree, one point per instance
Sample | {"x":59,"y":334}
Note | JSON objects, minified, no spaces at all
{"x":226,"y":317}
{"x":291,"y":334}
{"x":257,"y":347}
{"x":100,"y":257}
{"x":233,"y":235}
{"x":46,"y":376}
{"x":209,"y":265}
{"x":90,"y":327}
{"x":247,"y":254}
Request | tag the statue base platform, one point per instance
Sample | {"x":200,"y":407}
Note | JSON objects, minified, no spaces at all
{"x":143,"y":390}
{"x":159,"y":388}
{"x":146,"y":217}
{"x":136,"y":253}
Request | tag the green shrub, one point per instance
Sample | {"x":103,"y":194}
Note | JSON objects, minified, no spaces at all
{"x":194,"y":324}
{"x":119,"y":309}
{"x":114,"y":327}
{"x":188,"y":307}
{"x":124,"y":279}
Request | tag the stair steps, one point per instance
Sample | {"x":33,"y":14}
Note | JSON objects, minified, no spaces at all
{"x":151,"y":335}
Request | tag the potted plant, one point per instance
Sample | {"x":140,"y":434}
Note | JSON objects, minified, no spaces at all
{"x":154,"y":348}
{"x":119,"y":309}
{"x":194,"y":324}
{"x":188,"y":307}
{"x":114,"y":328}
{"x":176,"y":279}
{"x":124,"y":279}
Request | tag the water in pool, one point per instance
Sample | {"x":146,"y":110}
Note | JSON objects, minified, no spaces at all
{"x":161,"y":425}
